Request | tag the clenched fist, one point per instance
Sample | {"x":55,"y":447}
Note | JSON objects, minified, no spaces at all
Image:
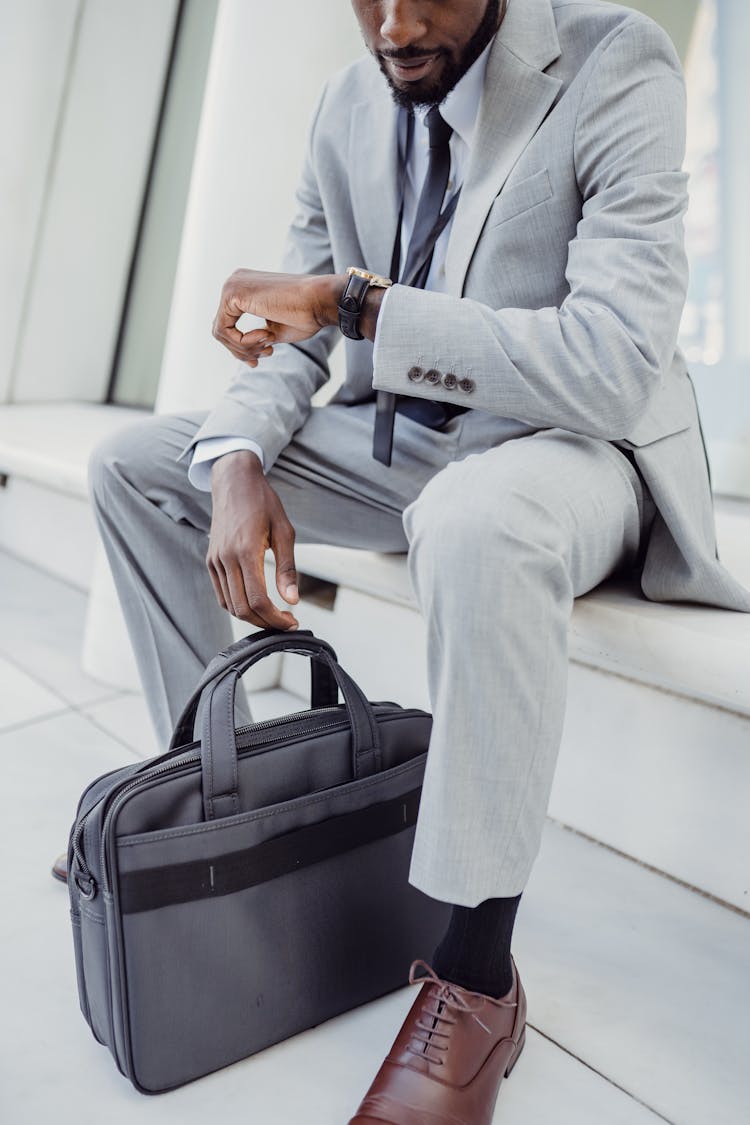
{"x":294,"y":307}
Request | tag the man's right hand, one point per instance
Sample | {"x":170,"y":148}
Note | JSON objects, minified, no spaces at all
{"x":248,"y":518}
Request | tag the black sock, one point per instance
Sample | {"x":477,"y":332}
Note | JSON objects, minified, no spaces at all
{"x":475,"y":951}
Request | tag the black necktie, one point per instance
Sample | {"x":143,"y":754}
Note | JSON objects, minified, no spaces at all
{"x":424,"y":235}
{"x":422,"y":241}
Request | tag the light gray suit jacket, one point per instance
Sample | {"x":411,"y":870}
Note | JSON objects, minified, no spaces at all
{"x":566,"y":269}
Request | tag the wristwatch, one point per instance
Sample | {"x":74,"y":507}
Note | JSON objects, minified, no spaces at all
{"x":353,"y":298}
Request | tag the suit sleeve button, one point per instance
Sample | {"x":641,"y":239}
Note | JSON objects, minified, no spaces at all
{"x":432,"y":376}
{"x":449,"y":380}
{"x":415,"y":374}
{"x":466,"y":384}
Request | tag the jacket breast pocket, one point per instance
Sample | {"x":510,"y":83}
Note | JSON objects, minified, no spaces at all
{"x":517,"y":198}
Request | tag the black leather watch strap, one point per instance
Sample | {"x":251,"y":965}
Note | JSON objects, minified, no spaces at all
{"x":350,"y":306}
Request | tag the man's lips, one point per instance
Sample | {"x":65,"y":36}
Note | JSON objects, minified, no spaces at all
{"x":414,"y":69}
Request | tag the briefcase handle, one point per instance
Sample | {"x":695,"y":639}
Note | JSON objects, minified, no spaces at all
{"x":216,"y":695}
{"x":323,"y":691}
{"x":219,"y":744}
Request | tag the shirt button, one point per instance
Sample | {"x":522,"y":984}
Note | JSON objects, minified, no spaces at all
{"x":466,"y":384}
{"x":415,"y":374}
{"x":432,"y":376}
{"x":449,"y":380}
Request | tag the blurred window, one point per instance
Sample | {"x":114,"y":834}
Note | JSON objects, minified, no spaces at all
{"x":702,"y":331}
{"x":715,"y":332}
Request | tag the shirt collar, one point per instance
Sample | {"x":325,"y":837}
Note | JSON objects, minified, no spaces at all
{"x":461,"y":107}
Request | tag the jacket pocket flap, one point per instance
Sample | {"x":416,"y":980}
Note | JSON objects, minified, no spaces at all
{"x":516,"y":198}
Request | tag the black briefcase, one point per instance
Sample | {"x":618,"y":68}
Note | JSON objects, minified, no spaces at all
{"x":251,"y":883}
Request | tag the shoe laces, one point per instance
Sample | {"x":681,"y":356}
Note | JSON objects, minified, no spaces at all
{"x":443,"y":1002}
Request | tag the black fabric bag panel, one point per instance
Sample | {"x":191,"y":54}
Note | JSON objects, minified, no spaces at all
{"x":222,"y":901}
{"x":283,"y":955}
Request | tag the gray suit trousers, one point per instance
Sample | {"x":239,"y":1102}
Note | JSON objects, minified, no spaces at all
{"x":504,"y":527}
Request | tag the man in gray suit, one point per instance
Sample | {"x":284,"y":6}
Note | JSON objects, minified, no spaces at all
{"x":535,"y":430}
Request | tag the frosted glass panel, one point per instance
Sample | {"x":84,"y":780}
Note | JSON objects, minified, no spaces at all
{"x":36,"y":42}
{"x":84,"y":242}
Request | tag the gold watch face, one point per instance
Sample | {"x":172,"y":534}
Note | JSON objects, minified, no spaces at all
{"x":375,"y":279}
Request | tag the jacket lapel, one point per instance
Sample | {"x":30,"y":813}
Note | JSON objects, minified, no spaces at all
{"x":374,"y":170}
{"x":517,"y":96}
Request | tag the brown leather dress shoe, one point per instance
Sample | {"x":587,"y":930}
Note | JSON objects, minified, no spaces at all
{"x":449,"y":1058}
{"x":60,"y":868}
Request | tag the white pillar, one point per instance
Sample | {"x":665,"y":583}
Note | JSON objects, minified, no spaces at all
{"x":268,"y":65}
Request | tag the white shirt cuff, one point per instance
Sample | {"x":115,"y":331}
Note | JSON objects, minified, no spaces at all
{"x":209,"y":450}
{"x":386,"y":295}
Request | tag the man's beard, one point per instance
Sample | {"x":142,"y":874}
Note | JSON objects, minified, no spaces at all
{"x":435,"y":92}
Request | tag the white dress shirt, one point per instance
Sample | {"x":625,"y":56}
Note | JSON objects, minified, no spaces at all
{"x":460,"y":110}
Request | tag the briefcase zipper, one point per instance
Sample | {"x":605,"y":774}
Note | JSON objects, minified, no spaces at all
{"x":340,"y":708}
{"x":279,"y":719}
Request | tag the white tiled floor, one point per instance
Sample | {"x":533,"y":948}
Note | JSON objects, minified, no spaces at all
{"x":639,"y":990}
{"x":41,"y":631}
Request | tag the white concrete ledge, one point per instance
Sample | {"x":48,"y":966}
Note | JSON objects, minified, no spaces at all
{"x":51,"y":444}
{"x":693,"y":650}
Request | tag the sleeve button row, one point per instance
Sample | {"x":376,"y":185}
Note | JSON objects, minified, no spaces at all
{"x":449,"y":380}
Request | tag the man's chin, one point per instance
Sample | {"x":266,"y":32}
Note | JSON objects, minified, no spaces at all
{"x":433,"y":90}
{"x":410,"y":94}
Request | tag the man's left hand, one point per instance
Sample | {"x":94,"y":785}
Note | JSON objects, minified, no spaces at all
{"x":294,"y":307}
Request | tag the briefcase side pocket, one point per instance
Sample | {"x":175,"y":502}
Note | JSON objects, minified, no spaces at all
{"x":75,"y":920}
{"x":94,"y":974}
